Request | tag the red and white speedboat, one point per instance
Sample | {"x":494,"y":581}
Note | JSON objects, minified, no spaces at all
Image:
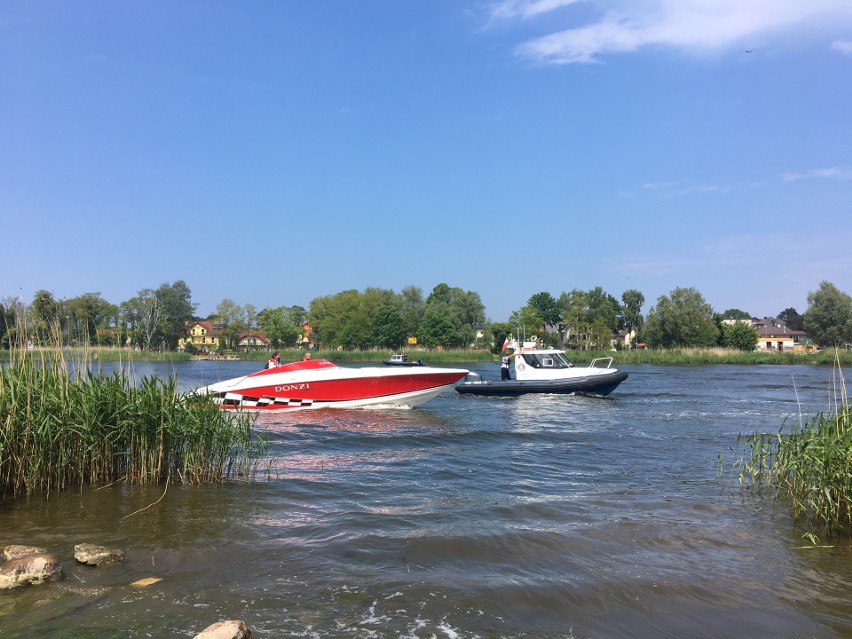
{"x":322,"y":384}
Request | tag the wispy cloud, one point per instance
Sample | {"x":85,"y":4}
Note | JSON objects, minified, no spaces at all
{"x":832,"y":172}
{"x":526,"y":8}
{"x":654,"y":186}
{"x":622,"y":26}
{"x":679,"y":189}
{"x":844,"y":46}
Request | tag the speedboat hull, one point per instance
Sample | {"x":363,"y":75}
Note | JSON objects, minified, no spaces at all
{"x":322,"y":384}
{"x":601,"y":384}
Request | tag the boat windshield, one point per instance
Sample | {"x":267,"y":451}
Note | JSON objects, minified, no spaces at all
{"x":547,"y":360}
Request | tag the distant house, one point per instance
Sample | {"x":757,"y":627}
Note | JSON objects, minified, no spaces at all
{"x":626,"y":338}
{"x":204,"y":336}
{"x":773,"y":335}
{"x":253,"y":342}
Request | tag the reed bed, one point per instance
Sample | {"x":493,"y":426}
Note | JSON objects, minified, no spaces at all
{"x":60,"y":428}
{"x":105,"y":354}
{"x":430,"y":358}
{"x":662,"y":357}
{"x":810,"y":467}
{"x":704,"y":356}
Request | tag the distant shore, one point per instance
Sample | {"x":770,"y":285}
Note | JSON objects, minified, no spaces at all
{"x":676,"y":356}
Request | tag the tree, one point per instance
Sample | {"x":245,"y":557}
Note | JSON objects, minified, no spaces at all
{"x":232,"y":317}
{"x":584,"y":312}
{"x":147,"y":314}
{"x":176,"y":310}
{"x":527,"y":323}
{"x":411,"y":308}
{"x":358,"y":329}
{"x":574,"y":306}
{"x":603,"y":307}
{"x":734,"y":313}
{"x":435,"y":330}
{"x":740,"y":335}
{"x":346,"y":319}
{"x":4,"y":327}
{"x":500,"y":331}
{"x":45,"y":315}
{"x":685,"y":319}
{"x":282,"y":325}
{"x":598,"y":336}
{"x":12,"y":322}
{"x":463,"y":311}
{"x":388,"y":328}
{"x":441,"y":293}
{"x":828,"y":320}
{"x":86,"y":314}
{"x":631,"y":309}
{"x":547,"y":308}
{"x":792,"y":319}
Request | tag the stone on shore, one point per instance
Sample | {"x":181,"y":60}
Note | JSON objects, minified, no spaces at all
{"x":29,"y":569}
{"x":96,"y":555}
{"x":226,"y":630}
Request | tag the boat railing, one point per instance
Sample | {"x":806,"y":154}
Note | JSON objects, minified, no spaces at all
{"x":595,"y":361}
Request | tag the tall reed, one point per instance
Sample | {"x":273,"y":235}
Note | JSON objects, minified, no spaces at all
{"x":432,"y":357}
{"x":810,"y":467}
{"x":64,"y":425}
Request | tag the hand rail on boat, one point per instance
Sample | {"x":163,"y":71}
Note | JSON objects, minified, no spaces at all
{"x":600,"y":359}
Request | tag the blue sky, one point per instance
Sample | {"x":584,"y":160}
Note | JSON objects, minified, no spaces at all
{"x":273,"y":152}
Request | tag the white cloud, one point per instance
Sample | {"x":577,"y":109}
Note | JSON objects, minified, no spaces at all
{"x":626,"y":25}
{"x":653,"y":186}
{"x":832,"y":172}
{"x":526,"y":8}
{"x":676,"y":189}
{"x":844,"y":46}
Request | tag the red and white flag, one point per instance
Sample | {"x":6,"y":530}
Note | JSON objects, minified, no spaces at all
{"x":507,"y":343}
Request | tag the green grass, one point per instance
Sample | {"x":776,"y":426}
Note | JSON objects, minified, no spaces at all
{"x":676,"y":356}
{"x":430,"y":358}
{"x":61,"y":429}
{"x":673,"y":356}
{"x":695,"y":356}
{"x":106,"y":354}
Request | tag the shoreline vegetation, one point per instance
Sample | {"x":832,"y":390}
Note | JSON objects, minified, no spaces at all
{"x":674,"y":356}
{"x":806,"y":467}
{"x":62,"y":425}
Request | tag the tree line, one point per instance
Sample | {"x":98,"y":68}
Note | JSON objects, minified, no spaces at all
{"x":589,"y":319}
{"x":448,"y":317}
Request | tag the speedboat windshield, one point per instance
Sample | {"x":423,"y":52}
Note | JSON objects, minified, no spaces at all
{"x":547,"y":360}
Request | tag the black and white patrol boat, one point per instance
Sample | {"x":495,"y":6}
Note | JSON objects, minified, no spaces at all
{"x":547,"y":370}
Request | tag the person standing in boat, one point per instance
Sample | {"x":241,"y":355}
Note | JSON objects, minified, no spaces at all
{"x":505,"y":375}
{"x":306,"y":357}
{"x":275,"y":360}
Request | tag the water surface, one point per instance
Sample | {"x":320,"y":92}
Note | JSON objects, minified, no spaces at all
{"x":546,"y":516}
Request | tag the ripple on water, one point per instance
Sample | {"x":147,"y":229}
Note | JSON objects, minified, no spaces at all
{"x":467,"y":517}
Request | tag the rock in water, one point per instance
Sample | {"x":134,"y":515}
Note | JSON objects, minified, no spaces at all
{"x":144,"y":583}
{"x":226,"y":630}
{"x":29,"y":569}
{"x":96,"y":555}
{"x":16,"y":550}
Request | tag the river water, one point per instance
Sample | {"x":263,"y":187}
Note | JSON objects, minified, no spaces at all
{"x":466,"y":517}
